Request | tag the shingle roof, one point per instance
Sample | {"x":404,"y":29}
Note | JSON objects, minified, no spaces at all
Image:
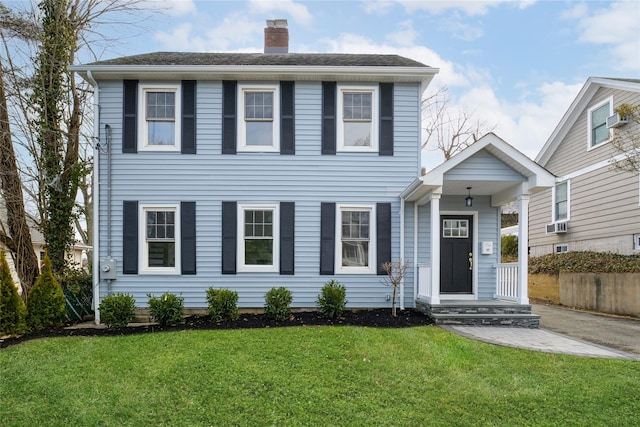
{"x":260,"y":59}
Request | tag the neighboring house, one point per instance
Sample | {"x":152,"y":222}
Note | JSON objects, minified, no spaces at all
{"x":593,"y":206}
{"x":79,"y":250}
{"x":253,"y":171}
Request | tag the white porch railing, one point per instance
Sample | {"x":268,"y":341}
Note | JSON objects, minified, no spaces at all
{"x":424,"y":281}
{"x":507,"y":286}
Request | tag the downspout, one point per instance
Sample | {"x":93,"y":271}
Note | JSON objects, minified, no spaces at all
{"x":415,"y":250}
{"x":96,"y":197}
{"x":402,"y":251}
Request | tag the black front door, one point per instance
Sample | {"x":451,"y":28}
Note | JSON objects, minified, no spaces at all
{"x":456,"y":254}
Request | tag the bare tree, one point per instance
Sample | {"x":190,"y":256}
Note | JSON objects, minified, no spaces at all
{"x":396,"y":271}
{"x":448,"y":129}
{"x":626,"y":140}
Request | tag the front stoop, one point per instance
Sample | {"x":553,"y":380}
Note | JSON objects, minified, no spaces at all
{"x":480,"y":313}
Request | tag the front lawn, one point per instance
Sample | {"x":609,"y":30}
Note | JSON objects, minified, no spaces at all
{"x":327,"y":376}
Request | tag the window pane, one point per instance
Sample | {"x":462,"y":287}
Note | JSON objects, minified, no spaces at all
{"x":561,"y":210}
{"x":357,"y":134}
{"x":258,"y":105}
{"x":162,"y":254}
{"x":599,"y":129}
{"x":260,"y":134}
{"x":258,"y":251}
{"x":600,"y":134}
{"x":355,"y":254}
{"x":161,"y":105}
{"x":161,"y":133}
{"x":357,"y":106}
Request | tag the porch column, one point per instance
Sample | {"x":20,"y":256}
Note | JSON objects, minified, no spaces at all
{"x":435,"y":248}
{"x":523,"y":249}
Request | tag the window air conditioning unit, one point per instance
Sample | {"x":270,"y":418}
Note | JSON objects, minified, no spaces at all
{"x":616,"y":121}
{"x":557,"y":227}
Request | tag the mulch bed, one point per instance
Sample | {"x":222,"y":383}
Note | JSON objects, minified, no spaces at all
{"x":365,"y":318}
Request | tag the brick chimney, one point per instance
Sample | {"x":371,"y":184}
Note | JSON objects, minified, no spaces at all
{"x":276,"y":36}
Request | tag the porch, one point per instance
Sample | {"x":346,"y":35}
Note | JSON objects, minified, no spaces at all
{"x":504,"y":310}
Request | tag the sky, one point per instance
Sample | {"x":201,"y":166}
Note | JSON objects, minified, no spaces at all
{"x":517,"y":65}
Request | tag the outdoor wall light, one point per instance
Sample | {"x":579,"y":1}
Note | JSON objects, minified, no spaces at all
{"x":469,"y":200}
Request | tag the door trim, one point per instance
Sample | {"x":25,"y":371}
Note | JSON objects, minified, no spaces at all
{"x":474,"y":244}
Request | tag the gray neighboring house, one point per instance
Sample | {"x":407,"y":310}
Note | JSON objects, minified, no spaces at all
{"x":252,"y":171}
{"x":592,"y":207}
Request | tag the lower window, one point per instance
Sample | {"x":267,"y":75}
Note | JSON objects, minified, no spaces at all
{"x":258,"y":248}
{"x":562,"y":248}
{"x":356,"y":239}
{"x":160,"y":248}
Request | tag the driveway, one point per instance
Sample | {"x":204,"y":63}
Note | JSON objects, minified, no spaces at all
{"x":621,"y":333}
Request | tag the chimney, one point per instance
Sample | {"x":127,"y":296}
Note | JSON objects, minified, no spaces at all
{"x":276,"y":36}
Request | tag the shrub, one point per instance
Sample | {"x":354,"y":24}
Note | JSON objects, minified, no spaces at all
{"x":584,"y":262}
{"x":332,"y":299}
{"x":45,"y":302}
{"x":509,"y":247}
{"x":13,"y":312}
{"x":223,"y":304}
{"x":166,"y":310}
{"x":117,"y":310}
{"x":278,"y":303}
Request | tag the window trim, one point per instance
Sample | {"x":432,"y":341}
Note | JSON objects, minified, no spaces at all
{"x":241,"y":266}
{"x":373,"y":241}
{"x":143,"y":137}
{"x":554,"y":217}
{"x":590,"y":145}
{"x":143,"y":249}
{"x":636,"y":242}
{"x":560,"y":248}
{"x":374,"y":90}
{"x":241,"y":122}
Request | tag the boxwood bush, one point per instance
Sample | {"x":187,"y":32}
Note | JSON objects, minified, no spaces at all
{"x":223,"y":304}
{"x":167,"y":309}
{"x":278,"y":304}
{"x":45,"y":302}
{"x":117,"y":310}
{"x":332,"y":299}
{"x":584,"y":262}
{"x":12,"y":309}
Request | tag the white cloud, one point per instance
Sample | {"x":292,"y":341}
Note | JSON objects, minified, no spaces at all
{"x":405,"y":36}
{"x":469,"y":7}
{"x":377,"y":7}
{"x":617,"y":28}
{"x":298,"y":12}
{"x":459,"y":29}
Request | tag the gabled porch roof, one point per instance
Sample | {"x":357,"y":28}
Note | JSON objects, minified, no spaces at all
{"x":465,"y":170}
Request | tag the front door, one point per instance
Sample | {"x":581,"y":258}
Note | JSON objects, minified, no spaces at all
{"x":456,"y":254}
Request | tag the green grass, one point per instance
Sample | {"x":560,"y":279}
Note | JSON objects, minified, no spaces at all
{"x":323,"y":376}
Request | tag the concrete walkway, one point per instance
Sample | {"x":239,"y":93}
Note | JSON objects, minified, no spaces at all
{"x":568,"y":332}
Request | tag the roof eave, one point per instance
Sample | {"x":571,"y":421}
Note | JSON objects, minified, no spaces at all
{"x":257,"y":72}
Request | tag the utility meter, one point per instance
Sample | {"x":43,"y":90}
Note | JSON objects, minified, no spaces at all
{"x":108,"y":269}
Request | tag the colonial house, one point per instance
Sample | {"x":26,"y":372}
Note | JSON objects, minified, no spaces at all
{"x":258,"y":170}
{"x":593,"y":206}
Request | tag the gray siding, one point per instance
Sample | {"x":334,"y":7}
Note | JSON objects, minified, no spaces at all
{"x":208,"y":178}
{"x":604,"y":203}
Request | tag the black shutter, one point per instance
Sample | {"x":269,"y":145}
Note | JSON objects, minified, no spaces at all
{"x":130,"y":119}
{"x":327,"y":238}
{"x":383,"y":235}
{"x":229,"y":117}
{"x":386,"y":119}
{"x":328,"y":117}
{"x":130,"y":237}
{"x":188,"y":117}
{"x":229,"y":242}
{"x":287,"y":237}
{"x":287,"y":118}
{"x":188,"y":237}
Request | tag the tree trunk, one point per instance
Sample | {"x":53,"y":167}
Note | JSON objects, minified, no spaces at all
{"x":18,"y":237}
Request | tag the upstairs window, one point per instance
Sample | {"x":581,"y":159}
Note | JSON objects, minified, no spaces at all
{"x":160,"y":108}
{"x":259,"y":118}
{"x":597,"y":122}
{"x":357,"y":118}
{"x":561,"y":202}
